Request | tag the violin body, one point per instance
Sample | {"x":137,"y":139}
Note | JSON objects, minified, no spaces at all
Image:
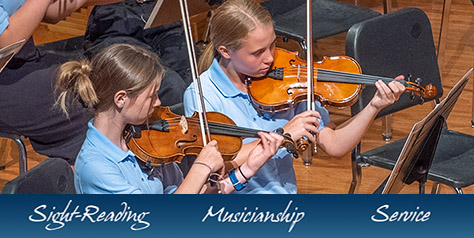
{"x":270,"y":95}
{"x":182,"y":138}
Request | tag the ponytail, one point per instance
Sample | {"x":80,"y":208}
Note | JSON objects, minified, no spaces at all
{"x":73,"y":81}
{"x":206,"y":58}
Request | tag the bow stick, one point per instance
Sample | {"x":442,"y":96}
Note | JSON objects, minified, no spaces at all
{"x":206,"y":136}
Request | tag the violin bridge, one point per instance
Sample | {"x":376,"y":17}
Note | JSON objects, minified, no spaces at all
{"x":184,"y":124}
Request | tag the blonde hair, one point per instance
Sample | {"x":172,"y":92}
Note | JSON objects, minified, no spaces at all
{"x":117,"y":67}
{"x":230,"y":23}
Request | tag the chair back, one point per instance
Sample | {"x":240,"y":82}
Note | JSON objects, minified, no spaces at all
{"x":330,"y":17}
{"x":398,"y":43}
{"x":52,"y":176}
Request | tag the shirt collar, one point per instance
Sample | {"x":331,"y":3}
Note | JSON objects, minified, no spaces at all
{"x":105,"y":145}
{"x":222,"y":82}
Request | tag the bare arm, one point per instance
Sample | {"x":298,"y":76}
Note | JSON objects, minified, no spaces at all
{"x":24,"y":21}
{"x":59,"y":9}
{"x":339,"y":141}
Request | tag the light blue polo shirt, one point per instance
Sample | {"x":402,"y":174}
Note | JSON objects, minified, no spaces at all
{"x":102,"y":167}
{"x":7,"y":8}
{"x":277,"y":175}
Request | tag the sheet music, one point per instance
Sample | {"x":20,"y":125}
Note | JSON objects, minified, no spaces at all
{"x":419,"y":132}
{"x":7,"y":52}
{"x":168,"y":11}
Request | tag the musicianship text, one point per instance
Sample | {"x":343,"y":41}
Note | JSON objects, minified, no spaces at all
{"x":256,"y":216}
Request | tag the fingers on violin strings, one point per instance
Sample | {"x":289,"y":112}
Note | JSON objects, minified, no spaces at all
{"x":383,"y":89}
{"x":400,"y":77}
{"x":278,"y":138}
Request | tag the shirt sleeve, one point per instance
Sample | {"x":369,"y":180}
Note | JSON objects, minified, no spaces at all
{"x":104,"y":181}
{"x":3,"y":19}
{"x":190,"y":105}
{"x":8,"y":8}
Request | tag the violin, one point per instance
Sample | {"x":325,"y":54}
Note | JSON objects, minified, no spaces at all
{"x":169,"y":137}
{"x":337,"y":82}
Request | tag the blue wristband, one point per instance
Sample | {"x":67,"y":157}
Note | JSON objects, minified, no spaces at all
{"x":237,"y":185}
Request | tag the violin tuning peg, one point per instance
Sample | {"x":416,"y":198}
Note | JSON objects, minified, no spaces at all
{"x":279,"y":131}
{"x":418,"y":81}
{"x":408,"y":78}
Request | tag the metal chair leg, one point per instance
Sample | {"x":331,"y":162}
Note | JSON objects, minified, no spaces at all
{"x":21,"y":150}
{"x":458,"y":190}
{"x":356,"y":171}
{"x":443,"y":32}
{"x":472,"y":117}
{"x":387,"y":6}
{"x":387,"y":128}
{"x":436,"y":189}
{"x":307,"y":155}
{"x":22,"y":155}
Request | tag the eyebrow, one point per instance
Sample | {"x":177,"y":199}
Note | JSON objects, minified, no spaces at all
{"x":273,"y":42}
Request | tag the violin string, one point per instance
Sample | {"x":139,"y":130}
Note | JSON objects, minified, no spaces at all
{"x":235,"y":130}
{"x":337,"y":76}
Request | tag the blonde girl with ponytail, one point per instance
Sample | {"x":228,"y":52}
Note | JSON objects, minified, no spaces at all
{"x":242,"y":45}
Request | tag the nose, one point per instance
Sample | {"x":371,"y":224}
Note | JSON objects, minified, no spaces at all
{"x":268,"y":59}
{"x":157,"y":102}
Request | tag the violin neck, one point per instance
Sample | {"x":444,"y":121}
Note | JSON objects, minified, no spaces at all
{"x":325,"y":75}
{"x":231,"y":130}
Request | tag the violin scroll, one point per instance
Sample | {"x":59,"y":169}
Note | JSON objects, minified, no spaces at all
{"x":427,"y":93}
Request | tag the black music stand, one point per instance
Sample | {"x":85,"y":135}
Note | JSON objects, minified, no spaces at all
{"x":418,"y":152}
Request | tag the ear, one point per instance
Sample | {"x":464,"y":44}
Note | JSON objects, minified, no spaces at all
{"x":224,"y":51}
{"x":120,"y":98}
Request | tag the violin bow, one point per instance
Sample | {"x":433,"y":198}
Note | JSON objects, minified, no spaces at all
{"x":206,"y":136}
{"x":309,"y":55}
{"x":309,"y":70}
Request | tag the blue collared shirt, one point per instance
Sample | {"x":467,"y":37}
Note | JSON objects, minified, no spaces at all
{"x":102,"y":167}
{"x":220,"y":95}
{"x":7,"y":8}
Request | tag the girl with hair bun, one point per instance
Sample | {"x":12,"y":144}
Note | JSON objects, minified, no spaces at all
{"x":242,"y":45}
{"x":120,"y":85}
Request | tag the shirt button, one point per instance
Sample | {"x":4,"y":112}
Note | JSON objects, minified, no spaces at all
{"x":134,"y":165}
{"x":254,"y":119}
{"x":143,"y":179}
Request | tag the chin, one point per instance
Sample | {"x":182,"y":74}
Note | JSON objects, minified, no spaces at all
{"x":259,"y":74}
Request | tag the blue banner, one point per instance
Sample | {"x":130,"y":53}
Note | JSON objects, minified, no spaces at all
{"x":239,"y":216}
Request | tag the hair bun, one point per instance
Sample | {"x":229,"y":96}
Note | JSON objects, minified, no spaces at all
{"x":85,"y":66}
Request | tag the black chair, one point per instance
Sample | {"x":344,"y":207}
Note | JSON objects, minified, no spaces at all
{"x":52,"y":176}
{"x":402,"y":43}
{"x":330,"y":17}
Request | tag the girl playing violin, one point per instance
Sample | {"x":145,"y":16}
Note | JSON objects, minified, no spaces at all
{"x":121,"y":83}
{"x":242,"y":44}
